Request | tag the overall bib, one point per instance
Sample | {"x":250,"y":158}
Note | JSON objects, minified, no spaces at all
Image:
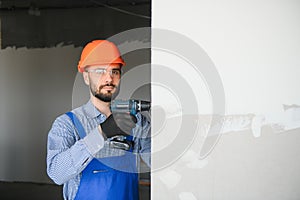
{"x":110,"y":178}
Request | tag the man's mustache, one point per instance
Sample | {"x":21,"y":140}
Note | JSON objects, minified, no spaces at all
{"x":109,"y":84}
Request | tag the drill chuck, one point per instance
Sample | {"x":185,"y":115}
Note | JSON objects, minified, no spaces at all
{"x":131,"y":106}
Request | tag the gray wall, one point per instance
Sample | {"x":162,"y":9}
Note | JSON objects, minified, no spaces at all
{"x":36,"y":87}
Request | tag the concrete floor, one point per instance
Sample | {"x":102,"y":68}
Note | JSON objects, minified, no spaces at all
{"x":35,"y":191}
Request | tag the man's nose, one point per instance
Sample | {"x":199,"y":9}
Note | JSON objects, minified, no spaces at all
{"x":108,"y":76}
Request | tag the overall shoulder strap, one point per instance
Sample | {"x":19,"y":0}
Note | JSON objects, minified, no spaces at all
{"x":77,"y":124}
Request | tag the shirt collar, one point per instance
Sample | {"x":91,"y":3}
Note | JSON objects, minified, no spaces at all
{"x":91,"y":110}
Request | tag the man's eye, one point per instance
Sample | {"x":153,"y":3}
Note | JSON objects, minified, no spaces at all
{"x":115,"y":72}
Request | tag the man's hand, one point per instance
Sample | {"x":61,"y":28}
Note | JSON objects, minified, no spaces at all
{"x":118,"y":124}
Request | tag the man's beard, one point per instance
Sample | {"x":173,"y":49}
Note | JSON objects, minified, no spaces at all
{"x":105,"y":97}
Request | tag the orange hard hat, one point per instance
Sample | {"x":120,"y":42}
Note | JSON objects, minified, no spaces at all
{"x":99,"y":52}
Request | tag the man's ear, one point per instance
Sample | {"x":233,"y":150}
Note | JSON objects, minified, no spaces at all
{"x":86,"y":78}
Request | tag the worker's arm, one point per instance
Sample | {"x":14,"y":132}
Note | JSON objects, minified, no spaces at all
{"x":67,"y":155}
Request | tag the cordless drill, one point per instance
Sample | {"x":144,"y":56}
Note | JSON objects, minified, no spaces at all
{"x":131,"y":106}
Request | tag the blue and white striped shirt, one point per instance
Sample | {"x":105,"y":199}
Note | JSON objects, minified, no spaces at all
{"x":68,"y":154}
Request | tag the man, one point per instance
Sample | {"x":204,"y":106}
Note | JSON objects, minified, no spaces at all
{"x":92,"y":151}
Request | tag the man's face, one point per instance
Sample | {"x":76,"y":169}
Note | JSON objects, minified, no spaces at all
{"x":103,"y":80}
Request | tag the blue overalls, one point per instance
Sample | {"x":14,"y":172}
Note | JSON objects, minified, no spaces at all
{"x":110,"y":178}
